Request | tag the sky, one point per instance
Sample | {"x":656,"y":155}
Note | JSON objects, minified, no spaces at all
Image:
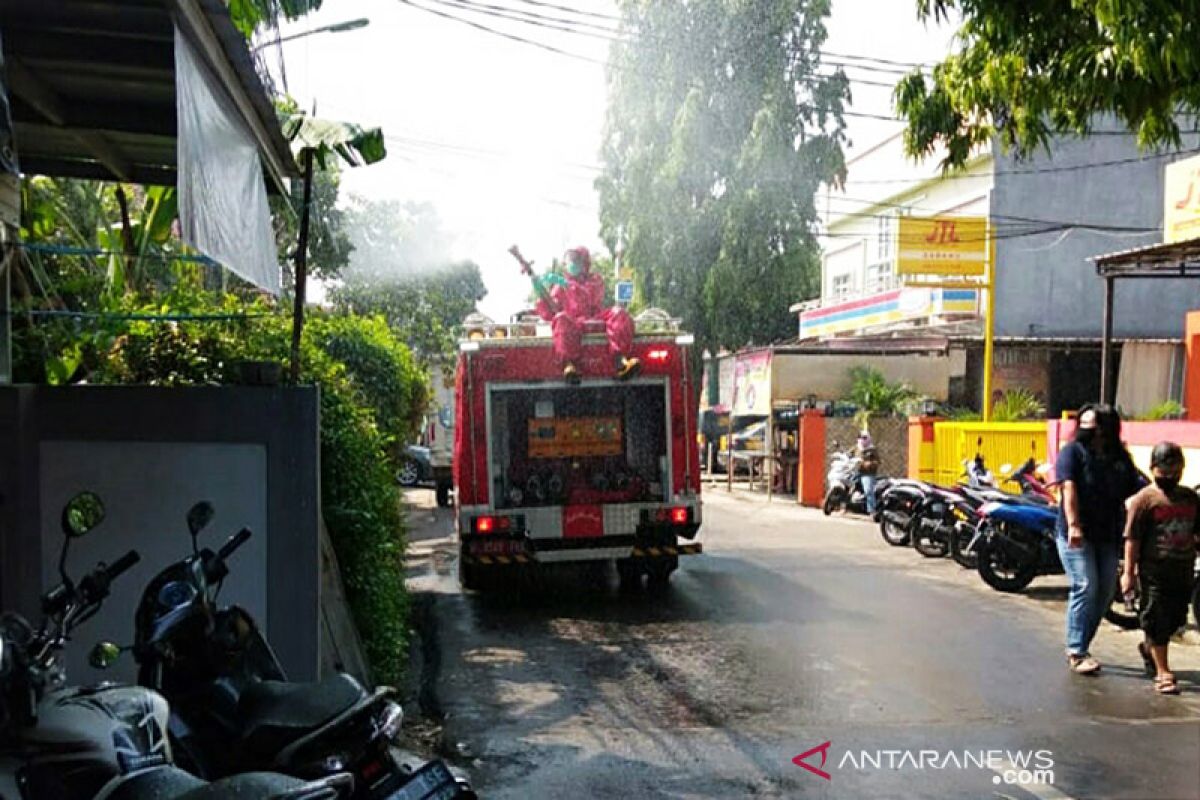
{"x":502,"y":136}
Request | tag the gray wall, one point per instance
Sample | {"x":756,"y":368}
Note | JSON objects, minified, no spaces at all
{"x":1047,"y":287}
{"x":151,"y":453}
{"x":147,"y":490}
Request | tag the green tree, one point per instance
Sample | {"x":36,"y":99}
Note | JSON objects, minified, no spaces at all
{"x":719,"y":130}
{"x":424,"y":310}
{"x":329,"y":244}
{"x":1028,"y":70}
{"x":401,"y":269}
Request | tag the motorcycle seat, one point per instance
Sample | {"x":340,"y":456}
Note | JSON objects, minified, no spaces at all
{"x":273,"y":714}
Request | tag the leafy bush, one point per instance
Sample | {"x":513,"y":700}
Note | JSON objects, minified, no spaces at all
{"x":875,"y":396}
{"x":1168,"y":409}
{"x":382,"y":370}
{"x":355,"y":362}
{"x":1016,"y":405}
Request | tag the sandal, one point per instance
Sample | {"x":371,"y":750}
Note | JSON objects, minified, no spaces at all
{"x":1082,"y":665}
{"x":1147,"y":660}
{"x":1165,"y":684}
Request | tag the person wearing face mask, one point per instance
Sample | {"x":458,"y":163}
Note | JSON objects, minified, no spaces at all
{"x":569,"y":304}
{"x":1161,"y":539}
{"x":1097,"y":475}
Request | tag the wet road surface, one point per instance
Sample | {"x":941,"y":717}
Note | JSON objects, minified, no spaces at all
{"x":792,"y":630}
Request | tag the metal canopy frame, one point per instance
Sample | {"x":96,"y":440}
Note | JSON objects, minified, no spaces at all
{"x":1172,"y":260}
{"x":92,"y":84}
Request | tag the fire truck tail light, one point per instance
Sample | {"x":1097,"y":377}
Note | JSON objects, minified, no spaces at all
{"x":679,"y":516}
{"x":493,"y":524}
{"x":659,"y":355}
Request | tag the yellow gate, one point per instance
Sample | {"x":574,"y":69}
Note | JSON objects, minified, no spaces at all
{"x":998,"y":442}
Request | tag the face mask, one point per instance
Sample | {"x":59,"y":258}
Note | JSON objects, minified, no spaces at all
{"x":1166,"y":484}
{"x":1085,"y":436}
{"x":575,"y":269}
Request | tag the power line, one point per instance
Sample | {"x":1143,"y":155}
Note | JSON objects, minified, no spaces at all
{"x":1030,"y":171}
{"x":1003,"y":218}
{"x":514,"y":37}
{"x":578,"y":11}
{"x":549,"y":22}
{"x":877,"y":60}
{"x":532,"y":18}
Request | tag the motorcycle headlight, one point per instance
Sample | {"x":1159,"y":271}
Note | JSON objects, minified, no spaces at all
{"x":390,"y":721}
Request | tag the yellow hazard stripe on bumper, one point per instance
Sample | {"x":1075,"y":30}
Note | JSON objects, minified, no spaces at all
{"x":681,"y":550}
{"x":497,"y":560}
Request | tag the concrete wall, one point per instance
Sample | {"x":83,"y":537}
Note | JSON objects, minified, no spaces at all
{"x":827,"y":375}
{"x":1046,"y":285}
{"x":151,"y":453}
{"x":890,"y":435}
{"x":147,"y":488}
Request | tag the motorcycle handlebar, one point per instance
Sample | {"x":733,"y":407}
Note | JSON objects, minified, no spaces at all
{"x":122,"y":565}
{"x":235,"y":541}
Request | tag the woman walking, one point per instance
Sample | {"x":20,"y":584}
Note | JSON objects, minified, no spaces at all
{"x":1097,"y":475}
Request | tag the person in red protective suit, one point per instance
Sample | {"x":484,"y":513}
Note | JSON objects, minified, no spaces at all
{"x":568,"y":305}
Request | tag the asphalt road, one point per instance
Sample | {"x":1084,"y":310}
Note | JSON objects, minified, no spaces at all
{"x":791,"y":631}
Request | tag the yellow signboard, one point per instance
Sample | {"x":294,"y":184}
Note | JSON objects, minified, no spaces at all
{"x":1181,"y":201}
{"x":942,"y":246}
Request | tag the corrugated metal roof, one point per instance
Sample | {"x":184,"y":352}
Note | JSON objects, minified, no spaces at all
{"x":93,"y":86}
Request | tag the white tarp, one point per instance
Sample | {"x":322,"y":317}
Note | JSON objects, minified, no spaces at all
{"x":223,"y":209}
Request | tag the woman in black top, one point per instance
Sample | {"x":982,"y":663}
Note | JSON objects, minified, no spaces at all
{"x":1097,"y":475}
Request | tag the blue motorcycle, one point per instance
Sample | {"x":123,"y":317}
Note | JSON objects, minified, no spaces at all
{"x":1014,"y":543}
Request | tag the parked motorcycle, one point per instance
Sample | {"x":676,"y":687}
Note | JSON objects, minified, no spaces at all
{"x":1033,"y":491}
{"x":943,"y":512}
{"x":233,"y":708}
{"x":108,"y":742}
{"x":845,"y":486}
{"x":1015,"y":543}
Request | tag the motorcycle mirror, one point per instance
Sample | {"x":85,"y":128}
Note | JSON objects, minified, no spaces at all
{"x":104,"y":655}
{"x":199,"y":516}
{"x":82,"y":512}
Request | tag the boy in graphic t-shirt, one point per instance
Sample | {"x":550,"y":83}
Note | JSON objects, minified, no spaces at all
{"x":1161,"y":540}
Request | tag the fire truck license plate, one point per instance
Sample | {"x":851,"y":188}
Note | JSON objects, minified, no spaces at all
{"x":497,"y":547}
{"x":431,"y":782}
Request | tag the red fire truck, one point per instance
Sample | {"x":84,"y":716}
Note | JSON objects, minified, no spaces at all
{"x":546,"y":471}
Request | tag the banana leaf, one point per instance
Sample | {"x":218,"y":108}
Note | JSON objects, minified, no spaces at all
{"x":354,"y":144}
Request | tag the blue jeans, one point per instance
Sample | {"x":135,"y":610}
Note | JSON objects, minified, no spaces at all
{"x":868,"y":484}
{"x":1092,"y":569}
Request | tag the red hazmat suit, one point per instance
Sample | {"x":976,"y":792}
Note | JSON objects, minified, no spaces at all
{"x":581,"y":301}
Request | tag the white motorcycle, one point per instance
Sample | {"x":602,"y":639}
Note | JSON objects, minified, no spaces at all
{"x":844,"y":486}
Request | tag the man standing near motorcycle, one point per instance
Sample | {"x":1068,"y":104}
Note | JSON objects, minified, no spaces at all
{"x":868,"y":468}
{"x":1161,"y":540}
{"x":1097,"y":475}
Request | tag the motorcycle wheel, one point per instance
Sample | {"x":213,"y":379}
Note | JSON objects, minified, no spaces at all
{"x":959,"y":539}
{"x":833,"y":501}
{"x":893,"y":533}
{"x":1000,"y":570}
{"x":926,"y":545}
